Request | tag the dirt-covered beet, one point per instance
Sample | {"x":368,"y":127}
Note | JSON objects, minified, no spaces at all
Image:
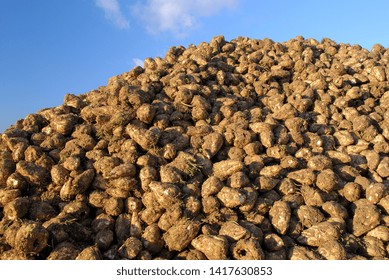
{"x":248,"y":149}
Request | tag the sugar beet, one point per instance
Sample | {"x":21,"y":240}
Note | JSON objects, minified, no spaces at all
{"x":248,"y":149}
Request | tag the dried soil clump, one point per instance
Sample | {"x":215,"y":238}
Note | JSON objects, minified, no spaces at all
{"x":248,"y":149}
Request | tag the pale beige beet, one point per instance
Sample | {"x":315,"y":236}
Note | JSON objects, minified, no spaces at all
{"x":280,"y":216}
{"x":214,"y":247}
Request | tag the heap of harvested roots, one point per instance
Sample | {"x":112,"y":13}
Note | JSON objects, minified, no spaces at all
{"x":248,"y":149}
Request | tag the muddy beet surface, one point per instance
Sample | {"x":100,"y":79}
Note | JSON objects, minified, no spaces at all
{"x":248,"y":149}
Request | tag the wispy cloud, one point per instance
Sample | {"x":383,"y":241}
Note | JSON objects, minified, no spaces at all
{"x":138,"y":62}
{"x":113,"y":12}
{"x":177,"y":16}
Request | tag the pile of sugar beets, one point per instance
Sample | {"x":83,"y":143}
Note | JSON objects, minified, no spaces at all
{"x":248,"y":149}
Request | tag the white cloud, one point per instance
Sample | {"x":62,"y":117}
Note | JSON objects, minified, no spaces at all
{"x":177,"y":16}
{"x":113,"y":13}
{"x":138,"y":62}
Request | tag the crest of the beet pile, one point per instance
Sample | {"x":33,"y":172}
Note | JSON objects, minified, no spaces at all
{"x":241,"y":149}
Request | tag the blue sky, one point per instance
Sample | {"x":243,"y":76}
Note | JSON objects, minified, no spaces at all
{"x":52,"y":47}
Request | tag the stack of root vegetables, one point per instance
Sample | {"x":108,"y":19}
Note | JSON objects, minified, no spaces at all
{"x":241,"y":149}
